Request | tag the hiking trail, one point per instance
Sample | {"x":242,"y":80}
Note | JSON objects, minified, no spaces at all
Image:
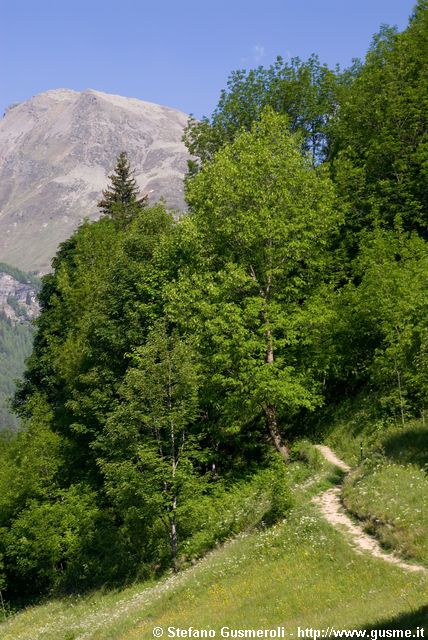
{"x":332,"y":509}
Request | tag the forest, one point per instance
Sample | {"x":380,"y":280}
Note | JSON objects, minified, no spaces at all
{"x":176,"y":361}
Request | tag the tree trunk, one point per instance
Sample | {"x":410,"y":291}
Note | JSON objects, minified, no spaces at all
{"x":173,"y":534}
{"x":272,"y":424}
{"x":270,"y":410}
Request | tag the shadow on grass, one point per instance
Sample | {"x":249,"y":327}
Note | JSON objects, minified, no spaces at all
{"x":336,"y":475}
{"x":410,"y":446}
{"x":413,"y":621}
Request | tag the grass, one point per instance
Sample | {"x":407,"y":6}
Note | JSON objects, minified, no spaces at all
{"x":391,"y":500}
{"x":300,"y":572}
{"x":358,"y":421}
{"x":389,"y":491}
{"x":408,"y":445}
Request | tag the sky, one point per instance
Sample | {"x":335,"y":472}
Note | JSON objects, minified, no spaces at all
{"x":177,"y":53}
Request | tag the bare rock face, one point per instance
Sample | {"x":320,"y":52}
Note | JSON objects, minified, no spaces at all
{"x":18,"y":300}
{"x":56,"y":151}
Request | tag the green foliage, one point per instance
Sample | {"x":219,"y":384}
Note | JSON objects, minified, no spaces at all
{"x":264,"y":218}
{"x":170,"y":355}
{"x":388,"y":491}
{"x":394,"y":284}
{"x":379,"y":135}
{"x":121,"y":200}
{"x":44,"y":543}
{"x":303,"y":91}
{"x":149,"y":446}
{"x":304,"y":451}
{"x":379,"y":333}
{"x":228,"y":509}
{"x":63,"y":355}
{"x":308,"y":571}
{"x":30,"y":464}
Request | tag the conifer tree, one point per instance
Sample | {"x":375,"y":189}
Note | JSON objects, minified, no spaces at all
{"x":122,"y":199}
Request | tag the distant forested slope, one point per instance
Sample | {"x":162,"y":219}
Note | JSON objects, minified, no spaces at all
{"x":18,"y":307}
{"x":15,"y":346}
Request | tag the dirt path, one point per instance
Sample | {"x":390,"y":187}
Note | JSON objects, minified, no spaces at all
{"x":330,"y":456}
{"x":332,"y":509}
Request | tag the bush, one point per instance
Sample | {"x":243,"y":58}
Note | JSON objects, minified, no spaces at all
{"x":263,"y":499}
{"x":45,"y":542}
{"x":304,"y":451}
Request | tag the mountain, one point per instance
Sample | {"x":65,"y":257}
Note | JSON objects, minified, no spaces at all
{"x":56,"y":151}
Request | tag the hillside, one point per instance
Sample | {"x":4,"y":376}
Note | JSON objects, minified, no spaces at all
{"x":56,"y":151}
{"x":388,"y":490}
{"x":311,"y":576}
{"x":18,"y":307}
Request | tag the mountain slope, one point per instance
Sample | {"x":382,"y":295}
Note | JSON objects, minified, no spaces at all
{"x":18,"y":307}
{"x":16,"y":341}
{"x":56,"y":151}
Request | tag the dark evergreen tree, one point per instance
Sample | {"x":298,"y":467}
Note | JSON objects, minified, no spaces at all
{"x":122,"y":199}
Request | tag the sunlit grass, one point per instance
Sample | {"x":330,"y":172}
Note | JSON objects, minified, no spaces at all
{"x":389,"y":491}
{"x":300,"y":572}
{"x":392,"y":501}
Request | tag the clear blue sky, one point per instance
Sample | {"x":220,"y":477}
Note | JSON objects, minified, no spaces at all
{"x":174,"y":52}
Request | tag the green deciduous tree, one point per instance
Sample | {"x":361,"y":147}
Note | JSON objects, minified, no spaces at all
{"x":46,"y":541}
{"x":393,"y":293}
{"x":379,"y":334}
{"x":304,"y":91}
{"x":149,"y":444}
{"x":379,"y":134}
{"x":170,"y":356}
{"x":265,"y":217}
{"x":97,"y":306}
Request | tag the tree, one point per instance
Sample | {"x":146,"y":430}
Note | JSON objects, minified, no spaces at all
{"x":122,"y":199}
{"x":378,"y":144}
{"x":265,"y":217}
{"x":43,"y":546}
{"x":304,"y":91}
{"x":149,"y":442}
{"x":390,"y":305}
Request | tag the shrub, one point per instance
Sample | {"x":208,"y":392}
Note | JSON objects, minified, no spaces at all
{"x":262,"y":499}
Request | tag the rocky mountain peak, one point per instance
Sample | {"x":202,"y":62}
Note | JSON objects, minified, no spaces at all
{"x":56,"y":151}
